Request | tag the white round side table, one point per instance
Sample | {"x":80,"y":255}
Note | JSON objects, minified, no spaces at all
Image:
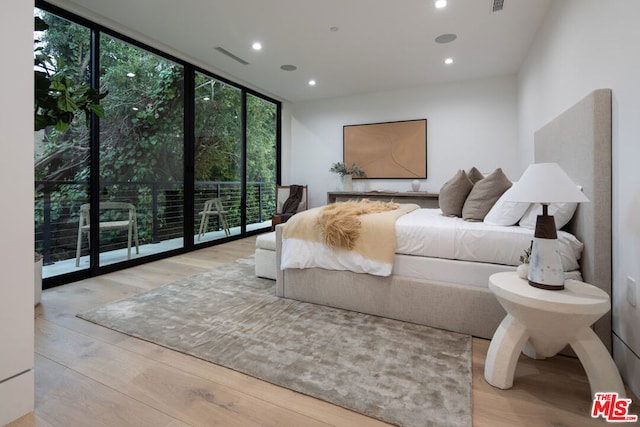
{"x":546,"y":321}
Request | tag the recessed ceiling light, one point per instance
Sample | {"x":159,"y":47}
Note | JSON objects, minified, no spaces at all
{"x":312,"y":82}
{"x":445,"y":38}
{"x":441,"y":3}
{"x":256,"y":46}
{"x":130,"y":74}
{"x":448,"y":61}
{"x":288,"y":67}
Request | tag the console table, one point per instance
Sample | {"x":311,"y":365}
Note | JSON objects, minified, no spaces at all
{"x":421,"y":198}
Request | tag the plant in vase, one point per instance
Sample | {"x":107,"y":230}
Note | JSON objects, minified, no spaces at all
{"x":523,"y":268}
{"x":347,"y":173}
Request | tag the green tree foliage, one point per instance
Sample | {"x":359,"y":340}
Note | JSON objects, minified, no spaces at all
{"x":218,"y":150}
{"x":261,"y":140}
{"x":61,"y":90}
{"x":218,"y":130}
{"x":141,"y":129}
{"x":61,"y":67}
{"x":141,"y":136}
{"x":261,"y":155}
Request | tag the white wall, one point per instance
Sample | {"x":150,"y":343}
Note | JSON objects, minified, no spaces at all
{"x":586,"y":45}
{"x":16,"y":217}
{"x":469,"y":123}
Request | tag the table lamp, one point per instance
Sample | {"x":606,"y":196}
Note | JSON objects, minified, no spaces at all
{"x":546,"y":183}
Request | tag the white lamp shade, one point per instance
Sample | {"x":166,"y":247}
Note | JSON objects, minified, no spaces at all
{"x":545,"y":183}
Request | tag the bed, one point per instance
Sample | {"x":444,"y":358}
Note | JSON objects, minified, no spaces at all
{"x":453,"y":294}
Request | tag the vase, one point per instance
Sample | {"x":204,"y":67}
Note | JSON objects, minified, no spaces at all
{"x":415,"y":185}
{"x":347,"y":183}
{"x":523,"y":271}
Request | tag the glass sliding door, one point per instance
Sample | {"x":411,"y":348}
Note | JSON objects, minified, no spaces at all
{"x":63,"y":58}
{"x":217,"y":159}
{"x":261,"y":161}
{"x":124,"y":154}
{"x":141,"y":152}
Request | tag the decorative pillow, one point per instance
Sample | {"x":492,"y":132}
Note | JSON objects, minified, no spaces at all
{"x":562,"y":214}
{"x":484,"y":195}
{"x":475,"y":175}
{"x":505,"y":212}
{"x":453,"y":194}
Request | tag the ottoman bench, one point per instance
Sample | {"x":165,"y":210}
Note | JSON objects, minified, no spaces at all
{"x":266,"y":256}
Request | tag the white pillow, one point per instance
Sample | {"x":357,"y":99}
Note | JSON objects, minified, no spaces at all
{"x":504,"y":212}
{"x":562,"y":214}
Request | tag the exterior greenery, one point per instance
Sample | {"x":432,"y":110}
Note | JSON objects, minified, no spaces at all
{"x":57,"y":97}
{"x":142,"y":139}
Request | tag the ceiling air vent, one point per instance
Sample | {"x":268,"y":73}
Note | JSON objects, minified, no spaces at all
{"x":231,"y":55}
{"x":497,"y":5}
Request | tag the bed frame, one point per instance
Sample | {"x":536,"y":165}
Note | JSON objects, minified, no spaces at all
{"x":580,"y":141}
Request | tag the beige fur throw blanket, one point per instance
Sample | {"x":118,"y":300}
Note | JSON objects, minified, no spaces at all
{"x":357,"y":236}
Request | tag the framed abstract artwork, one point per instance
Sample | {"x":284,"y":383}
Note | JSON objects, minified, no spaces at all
{"x":388,"y":150}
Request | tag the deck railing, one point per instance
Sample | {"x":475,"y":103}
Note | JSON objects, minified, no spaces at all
{"x":159,"y":206}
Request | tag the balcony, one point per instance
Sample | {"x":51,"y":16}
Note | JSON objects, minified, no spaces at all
{"x":160,"y":218}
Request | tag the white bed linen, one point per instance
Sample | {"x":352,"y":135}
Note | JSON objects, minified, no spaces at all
{"x":427,"y":233}
{"x":298,"y":253}
{"x":454,"y":271}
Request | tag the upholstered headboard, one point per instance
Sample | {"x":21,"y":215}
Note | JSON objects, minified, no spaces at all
{"x":579,"y":140}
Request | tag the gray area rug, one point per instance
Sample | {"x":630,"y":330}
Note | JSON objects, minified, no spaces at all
{"x":401,"y":373}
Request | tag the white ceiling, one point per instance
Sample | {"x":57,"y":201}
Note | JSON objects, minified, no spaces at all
{"x":379,"y":45}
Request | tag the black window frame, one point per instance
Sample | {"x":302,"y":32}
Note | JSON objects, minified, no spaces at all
{"x":189,"y":147}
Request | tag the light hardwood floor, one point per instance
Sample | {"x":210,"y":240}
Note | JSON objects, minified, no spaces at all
{"x":87,"y":375}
